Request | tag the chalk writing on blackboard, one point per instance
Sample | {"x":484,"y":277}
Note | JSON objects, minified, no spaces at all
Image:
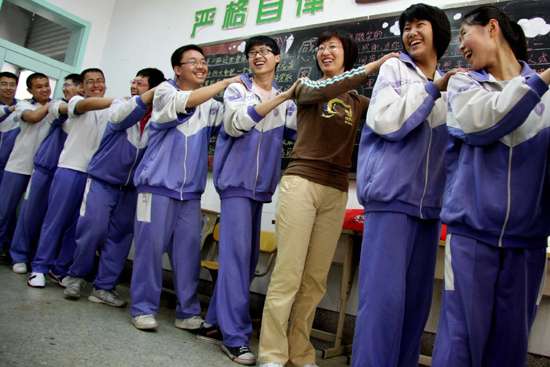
{"x":375,"y":38}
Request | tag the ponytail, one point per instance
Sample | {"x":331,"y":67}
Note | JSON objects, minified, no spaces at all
{"x":512,"y":32}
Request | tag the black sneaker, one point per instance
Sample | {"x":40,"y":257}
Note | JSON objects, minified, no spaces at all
{"x":211,"y":334}
{"x":241,"y":355}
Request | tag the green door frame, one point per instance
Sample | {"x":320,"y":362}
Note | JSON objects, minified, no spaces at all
{"x":25,"y":58}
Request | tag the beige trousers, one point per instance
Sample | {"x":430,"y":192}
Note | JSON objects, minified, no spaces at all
{"x":309,"y":220}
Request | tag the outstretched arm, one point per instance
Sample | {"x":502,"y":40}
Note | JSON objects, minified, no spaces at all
{"x":312,"y":92}
{"x":92,"y":104}
{"x":203,"y":94}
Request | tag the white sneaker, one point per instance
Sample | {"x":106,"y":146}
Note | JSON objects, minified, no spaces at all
{"x":19,"y":268}
{"x":145,"y":322}
{"x":271,"y":364}
{"x":73,"y":287}
{"x":37,"y":280}
{"x":110,"y":298}
{"x":192,"y":323}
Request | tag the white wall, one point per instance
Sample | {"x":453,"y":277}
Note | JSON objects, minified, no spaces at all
{"x":144,"y":34}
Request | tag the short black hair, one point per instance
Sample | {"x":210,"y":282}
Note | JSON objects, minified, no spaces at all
{"x":7,"y":74}
{"x":34,"y":76}
{"x":178,"y":54}
{"x":155,"y":76}
{"x":441,"y":27}
{"x":76,"y":78}
{"x":91,"y":70}
{"x":351,"y":50}
{"x":512,"y":32}
{"x":262,"y":40}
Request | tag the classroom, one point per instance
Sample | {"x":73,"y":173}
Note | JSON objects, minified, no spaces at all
{"x":120,"y":37}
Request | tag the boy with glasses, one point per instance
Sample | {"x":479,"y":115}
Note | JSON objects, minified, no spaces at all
{"x":87,"y":121}
{"x":46,"y":158}
{"x":170,"y":181}
{"x":108,"y":209}
{"x":247,"y":163}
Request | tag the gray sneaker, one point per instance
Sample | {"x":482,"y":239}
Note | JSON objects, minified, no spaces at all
{"x":74,"y":285}
{"x":110,"y":298}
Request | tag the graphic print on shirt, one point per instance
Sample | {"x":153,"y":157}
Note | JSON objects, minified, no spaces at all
{"x":337,"y":106}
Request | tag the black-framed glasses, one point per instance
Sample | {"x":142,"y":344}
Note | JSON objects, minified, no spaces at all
{"x":94,"y":81}
{"x":195,"y":63}
{"x":262,"y":51}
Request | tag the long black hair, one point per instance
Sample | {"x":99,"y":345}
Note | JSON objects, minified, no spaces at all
{"x":511,"y":31}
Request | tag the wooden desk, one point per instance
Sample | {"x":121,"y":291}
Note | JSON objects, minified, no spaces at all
{"x":209,"y":219}
{"x":351,"y":261}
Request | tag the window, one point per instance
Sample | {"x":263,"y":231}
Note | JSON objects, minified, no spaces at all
{"x":38,"y":37}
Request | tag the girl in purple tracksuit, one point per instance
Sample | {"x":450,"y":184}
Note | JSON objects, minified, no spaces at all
{"x":400,"y":181}
{"x":497,"y":197}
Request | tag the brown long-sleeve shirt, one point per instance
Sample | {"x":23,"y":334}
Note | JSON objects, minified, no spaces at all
{"x":328,"y":117}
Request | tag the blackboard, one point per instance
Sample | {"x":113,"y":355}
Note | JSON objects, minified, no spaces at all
{"x":375,"y":38}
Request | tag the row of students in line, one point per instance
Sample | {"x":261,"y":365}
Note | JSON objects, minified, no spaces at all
{"x":403,"y":143}
{"x":71,"y":135}
{"x":477,"y":157}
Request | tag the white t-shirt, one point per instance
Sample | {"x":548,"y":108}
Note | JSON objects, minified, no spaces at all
{"x":21,"y":159}
{"x":85,"y":133}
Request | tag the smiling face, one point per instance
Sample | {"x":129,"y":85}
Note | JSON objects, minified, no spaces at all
{"x":71,"y":88}
{"x":476,"y":46}
{"x":140,"y":85}
{"x":330,"y":57}
{"x":94,"y":84}
{"x":262,"y":64}
{"x":192,"y":70}
{"x":40,"y":90}
{"x":7,"y":89}
{"x":418,"y":40}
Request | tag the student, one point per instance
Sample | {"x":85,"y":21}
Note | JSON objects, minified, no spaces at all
{"x":107,"y":213}
{"x":170,"y":181}
{"x":312,"y":199}
{"x":247,"y":162}
{"x":400,"y":181}
{"x":33,"y":120}
{"x":497,"y":202}
{"x":9,"y":129}
{"x":9,"y":123}
{"x":36,"y":198}
{"x":87,"y":119}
